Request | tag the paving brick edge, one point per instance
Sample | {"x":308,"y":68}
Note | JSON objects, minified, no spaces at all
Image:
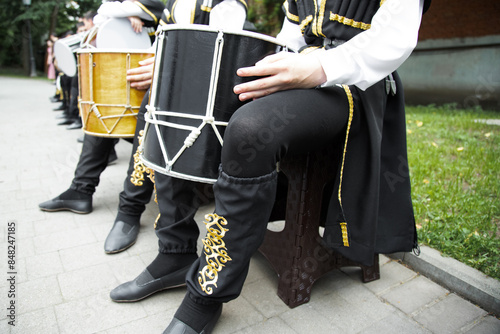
{"x":457,"y":277}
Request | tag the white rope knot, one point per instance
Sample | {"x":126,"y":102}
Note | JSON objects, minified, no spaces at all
{"x":209,"y":119}
{"x":150,"y":109}
{"x":192,"y":137}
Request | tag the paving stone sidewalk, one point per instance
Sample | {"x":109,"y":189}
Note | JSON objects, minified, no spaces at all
{"x":60,"y":277}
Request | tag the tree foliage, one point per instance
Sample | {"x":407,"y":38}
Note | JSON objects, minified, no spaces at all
{"x":267,"y":15}
{"x":45,"y":17}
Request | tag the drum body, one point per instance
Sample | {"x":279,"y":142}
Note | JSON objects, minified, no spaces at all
{"x":108,"y":105}
{"x":192,"y":97}
{"x":65,"y":53}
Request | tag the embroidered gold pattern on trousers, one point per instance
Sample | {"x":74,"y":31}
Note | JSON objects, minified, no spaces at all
{"x":215,"y":252}
{"x":156,"y":221}
{"x":137,"y":176}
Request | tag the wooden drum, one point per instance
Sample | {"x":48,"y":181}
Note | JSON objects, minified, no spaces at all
{"x":108,"y":105}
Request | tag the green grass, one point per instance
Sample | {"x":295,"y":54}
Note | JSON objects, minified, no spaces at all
{"x":455,"y":171}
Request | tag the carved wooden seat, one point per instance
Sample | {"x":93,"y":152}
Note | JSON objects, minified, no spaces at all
{"x":297,"y":253}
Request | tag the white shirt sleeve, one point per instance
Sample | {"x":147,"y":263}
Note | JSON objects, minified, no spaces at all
{"x":119,"y":9}
{"x":229,"y":14}
{"x":375,"y":53}
{"x":291,"y":36}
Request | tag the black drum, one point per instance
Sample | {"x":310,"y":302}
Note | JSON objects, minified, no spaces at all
{"x":192,"y":96}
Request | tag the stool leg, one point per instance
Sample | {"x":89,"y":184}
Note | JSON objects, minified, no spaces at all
{"x":297,"y":253}
{"x":371,"y":273}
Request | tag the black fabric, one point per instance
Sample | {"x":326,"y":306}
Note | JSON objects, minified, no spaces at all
{"x":92,"y":162}
{"x":165,"y":264}
{"x":262,"y":132}
{"x":234,"y":232}
{"x":351,"y":17}
{"x":94,"y":159}
{"x":196,"y":315}
{"x":128,"y":219}
{"x":133,"y":199}
{"x":339,"y":19}
{"x":73,"y":111}
{"x":65,"y":82}
{"x":376,"y":187}
{"x":175,"y":227}
{"x":154,"y":9}
{"x":71,"y":194}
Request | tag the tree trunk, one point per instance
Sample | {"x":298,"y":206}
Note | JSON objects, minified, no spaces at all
{"x":53,"y":19}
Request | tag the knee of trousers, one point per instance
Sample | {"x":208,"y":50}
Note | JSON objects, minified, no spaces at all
{"x":247,"y":142}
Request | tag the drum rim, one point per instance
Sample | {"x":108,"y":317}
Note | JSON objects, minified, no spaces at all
{"x":172,"y":173}
{"x":202,"y":27}
{"x":113,"y":50}
{"x":66,"y":40}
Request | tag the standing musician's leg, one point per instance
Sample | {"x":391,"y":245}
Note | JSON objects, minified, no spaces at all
{"x":136,"y":193}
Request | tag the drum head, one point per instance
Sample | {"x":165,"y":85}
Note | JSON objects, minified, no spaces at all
{"x":118,"y":33}
{"x":65,"y":56}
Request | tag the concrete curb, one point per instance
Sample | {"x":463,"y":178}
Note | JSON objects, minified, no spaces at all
{"x":455,"y":276}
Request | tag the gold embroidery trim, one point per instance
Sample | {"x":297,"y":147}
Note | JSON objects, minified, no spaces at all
{"x":321,"y":17}
{"x":382,"y":2}
{"x":244,"y":3}
{"x":137,"y":176}
{"x":290,"y":16}
{"x":156,"y":220}
{"x":351,"y":112}
{"x":349,"y":122}
{"x":167,"y":15}
{"x":345,"y":238}
{"x":147,"y":11}
{"x":206,"y":9}
{"x":305,"y":22}
{"x":349,"y":22}
{"x":215,"y":252}
{"x":315,"y":20}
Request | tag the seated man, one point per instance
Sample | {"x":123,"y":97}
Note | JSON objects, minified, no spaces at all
{"x":341,"y":89}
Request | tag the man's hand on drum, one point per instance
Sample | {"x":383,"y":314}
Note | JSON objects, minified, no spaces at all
{"x":140,"y":77}
{"x":136,"y":23}
{"x":280,"y":71}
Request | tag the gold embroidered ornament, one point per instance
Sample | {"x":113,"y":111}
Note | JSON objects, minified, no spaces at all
{"x":137,"y":177}
{"x":215,"y":252}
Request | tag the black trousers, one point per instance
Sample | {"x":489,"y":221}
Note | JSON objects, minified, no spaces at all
{"x":65,"y":82}
{"x":94,"y":159}
{"x":73,"y":111}
{"x":258,"y":135}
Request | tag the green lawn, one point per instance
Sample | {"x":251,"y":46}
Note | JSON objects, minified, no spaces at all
{"x":455,"y":171}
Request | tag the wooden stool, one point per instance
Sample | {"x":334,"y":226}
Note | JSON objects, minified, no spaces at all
{"x":296,"y":253}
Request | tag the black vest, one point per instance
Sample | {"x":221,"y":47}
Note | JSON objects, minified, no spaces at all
{"x":336,"y":19}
